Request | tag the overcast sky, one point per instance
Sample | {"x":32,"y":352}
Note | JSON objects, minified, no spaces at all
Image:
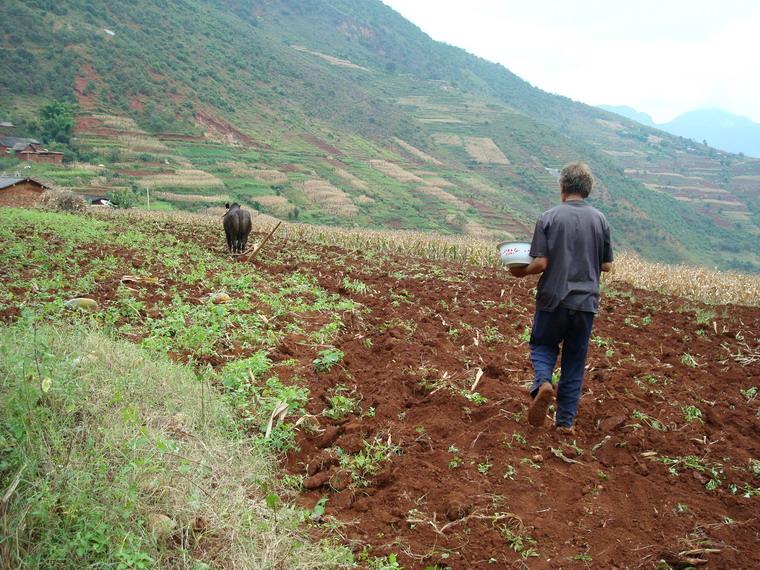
{"x":663,"y":57}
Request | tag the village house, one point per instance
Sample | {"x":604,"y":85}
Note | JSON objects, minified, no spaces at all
{"x":20,"y":192}
{"x":28,"y":149}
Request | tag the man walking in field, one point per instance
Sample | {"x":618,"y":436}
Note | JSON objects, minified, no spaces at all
{"x":571,"y":247}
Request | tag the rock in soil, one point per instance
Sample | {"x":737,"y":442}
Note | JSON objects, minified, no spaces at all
{"x":328,"y":437}
{"x":458,"y":508}
{"x":317,"y":481}
{"x":340,"y":480}
{"x":613,"y":423}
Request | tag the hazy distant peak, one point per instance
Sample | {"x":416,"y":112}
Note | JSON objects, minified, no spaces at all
{"x":719,"y":128}
{"x":712,"y":117}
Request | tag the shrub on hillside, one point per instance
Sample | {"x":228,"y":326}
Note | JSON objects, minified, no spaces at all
{"x":62,"y":201}
{"x":123,"y":198}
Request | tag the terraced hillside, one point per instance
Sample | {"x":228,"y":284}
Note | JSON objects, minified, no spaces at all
{"x":346,"y":114}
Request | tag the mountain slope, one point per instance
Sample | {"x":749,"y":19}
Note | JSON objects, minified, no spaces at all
{"x":345,"y":113}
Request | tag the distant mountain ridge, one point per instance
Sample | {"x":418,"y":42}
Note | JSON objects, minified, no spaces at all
{"x":721,"y":129}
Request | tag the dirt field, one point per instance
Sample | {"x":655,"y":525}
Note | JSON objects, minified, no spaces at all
{"x":618,"y":507}
{"x":668,"y":427}
{"x":485,"y":151}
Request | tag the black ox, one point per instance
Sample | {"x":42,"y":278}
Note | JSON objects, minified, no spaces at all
{"x":237,"y":226}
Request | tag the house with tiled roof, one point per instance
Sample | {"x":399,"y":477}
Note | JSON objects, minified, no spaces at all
{"x":16,"y":191}
{"x":28,"y":149}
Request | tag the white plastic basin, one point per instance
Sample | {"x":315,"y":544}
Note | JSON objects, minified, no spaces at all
{"x":514,"y":253}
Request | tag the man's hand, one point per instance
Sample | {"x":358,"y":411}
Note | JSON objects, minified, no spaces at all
{"x":538,"y":265}
{"x":518,"y":270}
{"x":607,"y":266}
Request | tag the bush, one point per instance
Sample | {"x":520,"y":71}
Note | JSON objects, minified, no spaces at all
{"x":62,"y":201}
{"x":56,"y":122}
{"x":122,"y":198}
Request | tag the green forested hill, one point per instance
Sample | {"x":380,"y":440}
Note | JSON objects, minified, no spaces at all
{"x":342,"y":112}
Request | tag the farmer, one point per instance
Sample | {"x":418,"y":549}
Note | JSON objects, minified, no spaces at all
{"x":571,"y":247}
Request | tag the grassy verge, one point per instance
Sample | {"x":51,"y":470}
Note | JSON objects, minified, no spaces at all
{"x":111,"y":457}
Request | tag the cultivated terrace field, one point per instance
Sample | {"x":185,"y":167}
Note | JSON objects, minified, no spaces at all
{"x":386,"y":374}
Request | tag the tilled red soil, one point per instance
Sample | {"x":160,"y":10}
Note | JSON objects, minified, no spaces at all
{"x":469,"y":483}
{"x":465,"y":472}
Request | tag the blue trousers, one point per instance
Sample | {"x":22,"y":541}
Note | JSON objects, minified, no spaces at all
{"x":571,"y":329}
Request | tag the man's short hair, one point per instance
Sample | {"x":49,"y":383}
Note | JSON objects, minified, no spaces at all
{"x":576,"y":178}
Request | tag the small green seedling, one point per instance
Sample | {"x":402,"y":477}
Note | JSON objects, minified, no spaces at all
{"x":519,"y":438}
{"x":649,"y":420}
{"x":520,"y":543}
{"x":474,"y":397}
{"x":319,"y":509}
{"x":367,"y":462}
{"x":692,"y":413}
{"x":750,"y":393}
{"x":754,"y":467}
{"x":354,"y":286}
{"x":341,"y":404}
{"x":456,"y":460}
{"x":327,"y":358}
{"x":689,"y":360}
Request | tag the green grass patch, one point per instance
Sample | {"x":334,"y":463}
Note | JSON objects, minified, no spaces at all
{"x":139,"y":467}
